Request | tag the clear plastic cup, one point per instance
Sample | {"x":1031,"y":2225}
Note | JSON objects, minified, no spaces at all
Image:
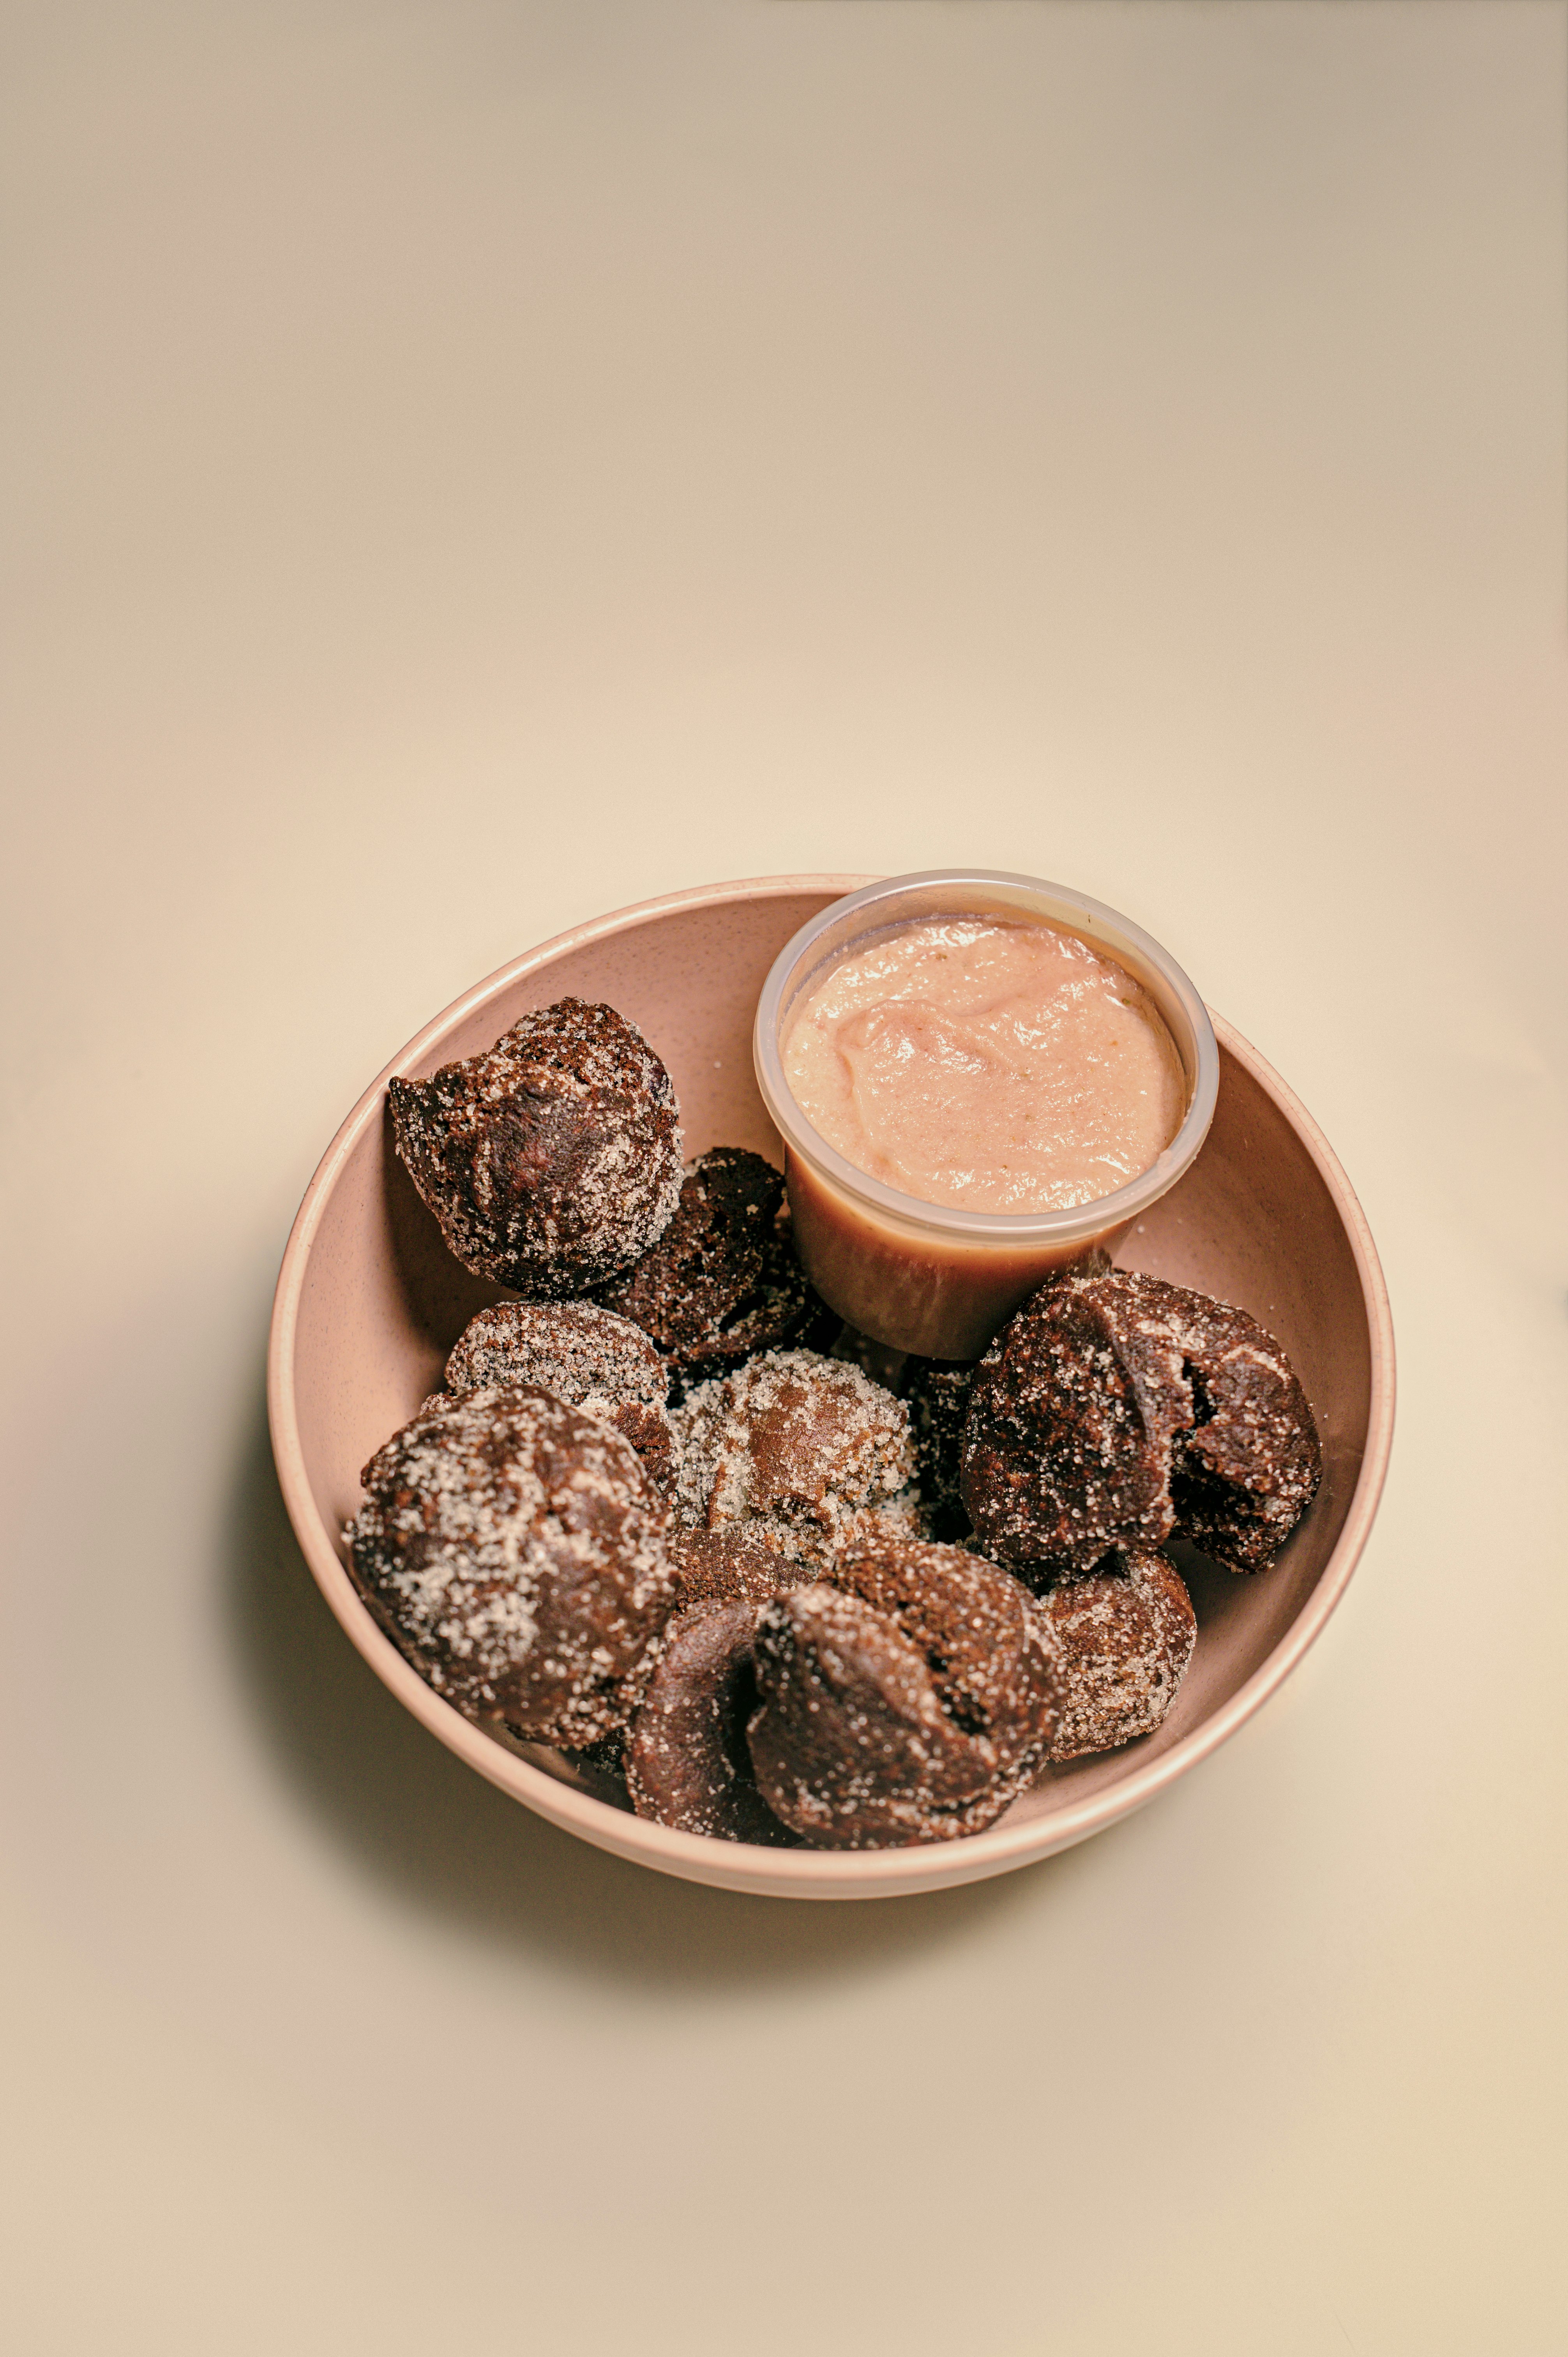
{"x":931,"y":1277}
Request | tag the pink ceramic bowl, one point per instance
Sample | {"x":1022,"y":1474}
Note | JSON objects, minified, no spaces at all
{"x":369,"y":1302}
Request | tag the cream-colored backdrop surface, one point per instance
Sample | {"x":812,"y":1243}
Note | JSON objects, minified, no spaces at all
{"x":471,"y":465}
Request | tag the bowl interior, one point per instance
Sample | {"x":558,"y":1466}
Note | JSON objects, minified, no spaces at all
{"x":377,"y":1302}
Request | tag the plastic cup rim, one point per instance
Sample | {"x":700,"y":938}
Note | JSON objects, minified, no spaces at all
{"x":1078,"y":913}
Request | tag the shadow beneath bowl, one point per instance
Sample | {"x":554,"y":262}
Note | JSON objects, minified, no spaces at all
{"x":412,"y":1819}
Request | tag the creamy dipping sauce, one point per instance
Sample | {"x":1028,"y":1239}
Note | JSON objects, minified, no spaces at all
{"x":998,"y":1067}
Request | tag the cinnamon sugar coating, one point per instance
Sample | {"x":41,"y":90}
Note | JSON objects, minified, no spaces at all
{"x":687,"y":1764}
{"x":795,"y":1448}
{"x":515,"y":1549}
{"x":1248,"y":1470}
{"x":907,"y":1702}
{"x":936,"y":1391}
{"x":1113,"y":1409}
{"x":1122,"y":1638}
{"x":582,"y":1354}
{"x":552,"y":1160}
{"x":722,"y":1282}
{"x":733,"y":1564}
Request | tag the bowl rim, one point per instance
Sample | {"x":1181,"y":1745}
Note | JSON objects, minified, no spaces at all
{"x":790,"y":1873}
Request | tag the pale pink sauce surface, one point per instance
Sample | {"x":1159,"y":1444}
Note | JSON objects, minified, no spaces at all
{"x":1001,"y":1067}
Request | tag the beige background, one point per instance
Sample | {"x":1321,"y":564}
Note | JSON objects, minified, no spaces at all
{"x":474,"y":464}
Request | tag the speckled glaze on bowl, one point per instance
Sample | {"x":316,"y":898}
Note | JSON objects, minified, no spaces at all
{"x":370,"y":1301}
